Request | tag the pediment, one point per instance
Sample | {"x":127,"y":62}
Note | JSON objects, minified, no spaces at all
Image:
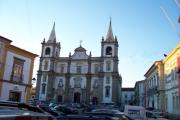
{"x":80,"y":55}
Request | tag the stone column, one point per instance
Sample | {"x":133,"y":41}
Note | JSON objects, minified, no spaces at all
{"x":38,"y":84}
{"x":88,"y":87}
{"x":101,"y":84}
{"x":67,"y":81}
{"x":67,"y":87}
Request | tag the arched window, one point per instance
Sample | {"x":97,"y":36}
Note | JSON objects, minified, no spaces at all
{"x":107,"y":91}
{"x":109,"y":51}
{"x":108,"y":65}
{"x":59,"y":98}
{"x":47,"y":51}
{"x":43,"y":88}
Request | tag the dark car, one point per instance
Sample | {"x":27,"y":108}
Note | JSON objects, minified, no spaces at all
{"x":112,"y":113}
{"x":66,"y":109}
{"x":20,"y":111}
{"x":83,"y":117}
{"x":49,"y":110}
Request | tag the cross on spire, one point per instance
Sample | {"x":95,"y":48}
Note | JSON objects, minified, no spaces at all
{"x":80,"y":42}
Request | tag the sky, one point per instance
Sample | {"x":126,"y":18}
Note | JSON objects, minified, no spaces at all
{"x":143,"y":30}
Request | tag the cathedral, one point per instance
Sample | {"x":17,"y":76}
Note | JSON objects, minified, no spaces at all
{"x":80,"y":77}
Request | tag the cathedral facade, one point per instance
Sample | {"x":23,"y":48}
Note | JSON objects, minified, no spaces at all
{"x":80,"y":77}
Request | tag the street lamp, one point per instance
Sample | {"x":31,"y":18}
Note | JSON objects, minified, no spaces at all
{"x":33,"y":81}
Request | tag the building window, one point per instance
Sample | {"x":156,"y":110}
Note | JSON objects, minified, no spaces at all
{"x":43,"y":88}
{"x":78,"y":69}
{"x":107,"y":91}
{"x":46,"y":63}
{"x":14,"y":96}
{"x":108,"y":65}
{"x":47,"y":51}
{"x":62,"y":68}
{"x":77,"y":82}
{"x":109,"y":51}
{"x":96,"y":68}
{"x":107,"y":80}
{"x":125,"y":96}
{"x":44,"y":78}
{"x":17,"y":71}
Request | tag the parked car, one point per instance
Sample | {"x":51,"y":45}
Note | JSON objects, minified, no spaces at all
{"x":156,"y":111}
{"x":154,"y":116}
{"x":111,"y":113}
{"x":49,"y":110}
{"x":66,"y":109}
{"x":84,"y":117}
{"x":21,"y":111}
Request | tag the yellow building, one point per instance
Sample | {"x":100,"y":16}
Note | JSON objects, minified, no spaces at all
{"x":16,"y":72}
{"x":172,"y":101}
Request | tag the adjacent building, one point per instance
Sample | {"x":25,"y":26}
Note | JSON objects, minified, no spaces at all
{"x":154,"y":90}
{"x":139,"y":90}
{"x":171,"y":79}
{"x":127,"y":96}
{"x":80,"y":77}
{"x":16,"y":66}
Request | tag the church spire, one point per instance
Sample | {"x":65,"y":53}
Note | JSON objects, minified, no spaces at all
{"x":109,"y":36}
{"x":52,"y":37}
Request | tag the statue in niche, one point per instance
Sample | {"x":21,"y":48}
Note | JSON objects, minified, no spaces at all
{"x":60,"y":84}
{"x":96,"y":83}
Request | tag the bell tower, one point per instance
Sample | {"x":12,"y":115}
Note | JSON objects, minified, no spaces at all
{"x":109,"y":46}
{"x":47,"y":66}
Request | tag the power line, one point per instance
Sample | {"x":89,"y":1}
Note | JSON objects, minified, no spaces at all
{"x":170,"y":20}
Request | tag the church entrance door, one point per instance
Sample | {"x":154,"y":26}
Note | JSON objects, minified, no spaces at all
{"x":77,"y":97}
{"x":95,"y":100}
{"x":59,"y":99}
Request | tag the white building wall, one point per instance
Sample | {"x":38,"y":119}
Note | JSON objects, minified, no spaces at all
{"x":7,"y":87}
{"x":7,"y":75}
{"x":129,"y":95}
{"x":9,"y":66}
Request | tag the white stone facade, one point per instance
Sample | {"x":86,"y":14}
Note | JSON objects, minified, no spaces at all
{"x":80,"y":77}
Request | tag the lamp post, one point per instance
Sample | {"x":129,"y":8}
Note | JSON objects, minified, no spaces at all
{"x":33,"y":82}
